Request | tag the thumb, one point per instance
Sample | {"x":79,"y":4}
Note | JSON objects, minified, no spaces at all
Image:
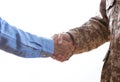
{"x":60,"y":39}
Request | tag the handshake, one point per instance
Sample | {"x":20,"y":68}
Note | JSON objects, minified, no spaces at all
{"x":63,"y":47}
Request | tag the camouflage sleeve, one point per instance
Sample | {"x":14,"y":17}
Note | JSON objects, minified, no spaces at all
{"x":90,"y":35}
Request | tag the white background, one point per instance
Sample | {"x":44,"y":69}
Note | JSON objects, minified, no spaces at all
{"x":45,"y":18}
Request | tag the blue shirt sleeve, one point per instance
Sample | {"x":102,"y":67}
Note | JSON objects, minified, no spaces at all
{"x":24,"y":44}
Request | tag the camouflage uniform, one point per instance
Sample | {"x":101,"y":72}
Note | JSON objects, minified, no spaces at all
{"x":99,"y":30}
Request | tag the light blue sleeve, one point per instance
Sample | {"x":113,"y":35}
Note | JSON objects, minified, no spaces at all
{"x":24,"y":44}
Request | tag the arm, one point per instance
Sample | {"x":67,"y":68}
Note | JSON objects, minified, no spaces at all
{"x":22,"y":43}
{"x":90,"y":35}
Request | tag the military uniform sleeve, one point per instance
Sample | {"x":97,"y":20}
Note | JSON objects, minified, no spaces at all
{"x":90,"y":35}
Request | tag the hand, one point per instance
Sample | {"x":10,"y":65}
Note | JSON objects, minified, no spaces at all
{"x":63,"y":46}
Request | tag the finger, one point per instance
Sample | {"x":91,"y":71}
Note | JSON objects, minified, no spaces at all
{"x":62,"y":58}
{"x":58,"y":57}
{"x":60,"y":38}
{"x":55,"y":36}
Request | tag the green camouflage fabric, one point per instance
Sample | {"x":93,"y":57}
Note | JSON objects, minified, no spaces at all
{"x":99,"y":30}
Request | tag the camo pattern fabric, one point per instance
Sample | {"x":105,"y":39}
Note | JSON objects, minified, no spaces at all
{"x":97,"y":31}
{"x":89,"y":36}
{"x":111,"y":68}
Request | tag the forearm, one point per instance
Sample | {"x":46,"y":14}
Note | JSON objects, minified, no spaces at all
{"x":89,"y":36}
{"x":22,"y":43}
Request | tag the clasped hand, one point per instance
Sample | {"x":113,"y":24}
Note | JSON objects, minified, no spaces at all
{"x":63,"y":47}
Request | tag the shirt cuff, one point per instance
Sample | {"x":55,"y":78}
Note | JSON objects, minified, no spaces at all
{"x":47,"y":47}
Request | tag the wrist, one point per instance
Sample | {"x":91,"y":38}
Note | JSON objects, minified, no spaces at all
{"x":71,"y":39}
